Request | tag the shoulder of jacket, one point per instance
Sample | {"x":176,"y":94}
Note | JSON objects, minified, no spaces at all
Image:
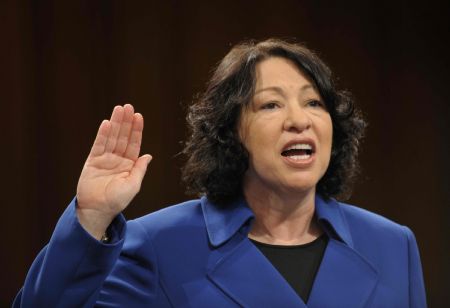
{"x":360,"y":217}
{"x":175,"y":216}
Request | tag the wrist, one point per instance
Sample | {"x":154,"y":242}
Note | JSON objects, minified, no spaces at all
{"x":94,"y":222}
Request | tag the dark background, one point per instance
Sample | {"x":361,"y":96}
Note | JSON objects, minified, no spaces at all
{"x":65,"y":64}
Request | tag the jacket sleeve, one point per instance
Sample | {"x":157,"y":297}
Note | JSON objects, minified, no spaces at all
{"x":417,"y":296}
{"x":76,"y":270}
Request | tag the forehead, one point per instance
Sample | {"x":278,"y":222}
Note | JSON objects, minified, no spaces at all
{"x":276,"y":71}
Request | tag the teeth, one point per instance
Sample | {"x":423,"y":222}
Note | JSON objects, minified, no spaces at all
{"x":299,"y":146}
{"x":299,"y":157}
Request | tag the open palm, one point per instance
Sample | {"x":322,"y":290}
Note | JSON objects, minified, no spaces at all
{"x":113,"y":172}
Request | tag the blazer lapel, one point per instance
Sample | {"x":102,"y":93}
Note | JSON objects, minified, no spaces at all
{"x":240,"y":270}
{"x":344,"y":279}
{"x":249,"y":278}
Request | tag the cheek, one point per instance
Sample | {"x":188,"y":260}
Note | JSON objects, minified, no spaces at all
{"x":249,"y":134}
{"x":259,"y":142}
{"x":262,"y":138}
{"x":243,"y":130}
{"x":327,"y":139}
{"x":324,"y":133}
{"x":327,"y":129}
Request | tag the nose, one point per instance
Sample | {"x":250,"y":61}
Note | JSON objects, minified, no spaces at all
{"x":297,"y":119}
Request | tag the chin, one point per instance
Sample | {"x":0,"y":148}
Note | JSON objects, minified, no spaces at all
{"x":299,"y":187}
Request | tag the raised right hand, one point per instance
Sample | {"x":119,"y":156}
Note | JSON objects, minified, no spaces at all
{"x":113,"y":172}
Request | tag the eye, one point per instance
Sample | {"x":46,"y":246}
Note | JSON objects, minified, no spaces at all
{"x":315,"y":103}
{"x":269,"y":105}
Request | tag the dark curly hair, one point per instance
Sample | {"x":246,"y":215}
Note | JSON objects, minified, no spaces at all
{"x":216,"y":158}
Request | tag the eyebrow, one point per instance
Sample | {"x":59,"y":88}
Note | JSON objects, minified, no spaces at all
{"x":280,"y":91}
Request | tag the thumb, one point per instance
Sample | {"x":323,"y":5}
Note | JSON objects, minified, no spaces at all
{"x":140,"y":167}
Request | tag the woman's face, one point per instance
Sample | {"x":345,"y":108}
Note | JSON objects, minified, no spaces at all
{"x":286,"y":129}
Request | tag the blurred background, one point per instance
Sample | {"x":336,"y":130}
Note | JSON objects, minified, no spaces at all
{"x":65,"y":64}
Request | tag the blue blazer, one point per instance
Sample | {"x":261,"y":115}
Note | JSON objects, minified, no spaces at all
{"x":197,"y":254}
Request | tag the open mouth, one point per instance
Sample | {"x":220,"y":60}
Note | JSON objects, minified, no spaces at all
{"x":298,"y":151}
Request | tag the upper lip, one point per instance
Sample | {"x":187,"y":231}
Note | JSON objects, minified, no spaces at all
{"x":307,"y":141}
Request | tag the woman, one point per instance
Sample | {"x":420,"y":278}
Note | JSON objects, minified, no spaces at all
{"x":273,"y":141}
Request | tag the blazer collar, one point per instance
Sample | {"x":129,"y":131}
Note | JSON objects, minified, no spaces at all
{"x":222,"y":222}
{"x":345,"y":278}
{"x":332,"y":220}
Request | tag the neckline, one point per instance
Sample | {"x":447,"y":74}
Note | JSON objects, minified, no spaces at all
{"x":278,"y":246}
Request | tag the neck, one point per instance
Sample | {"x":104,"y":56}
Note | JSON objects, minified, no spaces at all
{"x":282,"y":218}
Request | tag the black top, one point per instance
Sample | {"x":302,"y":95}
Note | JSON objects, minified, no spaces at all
{"x":298,"y":264}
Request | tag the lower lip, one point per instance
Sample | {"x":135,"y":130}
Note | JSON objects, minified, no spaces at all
{"x":299,"y":163}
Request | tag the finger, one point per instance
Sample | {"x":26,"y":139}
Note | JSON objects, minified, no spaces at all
{"x":125,"y":129}
{"x":116,"y":122}
{"x":140,"y":168}
{"x":134,"y":143}
{"x":98,"y":148}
